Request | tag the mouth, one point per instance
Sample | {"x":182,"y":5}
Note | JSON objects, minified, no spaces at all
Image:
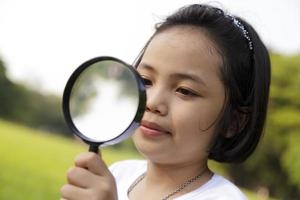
{"x":152,"y":129}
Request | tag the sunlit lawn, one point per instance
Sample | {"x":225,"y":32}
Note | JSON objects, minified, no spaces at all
{"x":33,"y":164}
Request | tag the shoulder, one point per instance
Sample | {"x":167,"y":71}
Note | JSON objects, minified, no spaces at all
{"x":128,"y":164}
{"x":217,"y":188}
{"x":226,"y":189}
{"x":128,"y":167}
{"x":125,"y":173}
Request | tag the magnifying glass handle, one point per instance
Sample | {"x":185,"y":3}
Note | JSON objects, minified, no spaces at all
{"x":94,"y":148}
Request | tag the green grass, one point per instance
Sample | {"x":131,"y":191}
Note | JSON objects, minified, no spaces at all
{"x":33,"y":163}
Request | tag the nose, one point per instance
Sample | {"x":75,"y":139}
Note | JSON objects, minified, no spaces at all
{"x":157,"y":102}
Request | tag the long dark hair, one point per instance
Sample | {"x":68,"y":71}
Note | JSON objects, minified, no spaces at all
{"x":245,"y":74}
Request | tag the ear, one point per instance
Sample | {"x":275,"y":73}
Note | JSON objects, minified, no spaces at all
{"x":239,"y":119}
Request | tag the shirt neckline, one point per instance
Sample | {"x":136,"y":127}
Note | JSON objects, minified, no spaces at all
{"x":181,"y":197}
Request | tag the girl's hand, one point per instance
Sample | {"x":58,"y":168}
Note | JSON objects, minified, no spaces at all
{"x":89,"y":179}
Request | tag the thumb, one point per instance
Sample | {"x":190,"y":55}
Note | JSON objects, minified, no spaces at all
{"x":92,"y":162}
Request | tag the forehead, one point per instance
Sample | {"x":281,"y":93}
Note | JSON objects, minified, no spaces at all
{"x":183,"y":49}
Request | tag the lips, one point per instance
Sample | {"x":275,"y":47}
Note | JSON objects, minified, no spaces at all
{"x":152,"y":129}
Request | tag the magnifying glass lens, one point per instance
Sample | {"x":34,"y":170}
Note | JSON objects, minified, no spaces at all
{"x":104,"y":101}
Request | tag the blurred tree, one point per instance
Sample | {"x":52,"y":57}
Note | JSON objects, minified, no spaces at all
{"x":276,"y":163}
{"x":21,"y":104}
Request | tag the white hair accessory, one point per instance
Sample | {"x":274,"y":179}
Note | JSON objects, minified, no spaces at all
{"x":245,"y":33}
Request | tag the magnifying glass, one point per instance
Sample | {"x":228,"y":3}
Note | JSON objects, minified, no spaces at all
{"x":104,"y":101}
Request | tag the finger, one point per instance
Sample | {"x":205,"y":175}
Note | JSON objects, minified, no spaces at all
{"x":71,"y":192}
{"x":80,"y":177}
{"x":93,"y":162}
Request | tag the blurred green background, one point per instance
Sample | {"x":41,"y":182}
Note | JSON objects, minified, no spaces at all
{"x":36,"y":147}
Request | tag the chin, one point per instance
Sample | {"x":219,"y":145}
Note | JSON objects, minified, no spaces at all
{"x":152,"y":150}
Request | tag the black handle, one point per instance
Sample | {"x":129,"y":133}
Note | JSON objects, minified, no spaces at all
{"x":94,"y":148}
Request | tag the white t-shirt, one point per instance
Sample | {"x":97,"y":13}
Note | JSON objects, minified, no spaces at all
{"x":217,"y":188}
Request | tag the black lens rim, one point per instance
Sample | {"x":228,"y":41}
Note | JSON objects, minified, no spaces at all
{"x":67,"y":94}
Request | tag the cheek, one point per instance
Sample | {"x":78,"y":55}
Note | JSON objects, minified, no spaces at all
{"x":189,"y":124}
{"x":197,"y":117}
{"x":189,"y":139}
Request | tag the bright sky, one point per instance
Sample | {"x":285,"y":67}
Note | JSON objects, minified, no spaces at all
{"x":42,"y":42}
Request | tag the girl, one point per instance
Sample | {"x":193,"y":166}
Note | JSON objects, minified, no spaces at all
{"x":207,"y":75}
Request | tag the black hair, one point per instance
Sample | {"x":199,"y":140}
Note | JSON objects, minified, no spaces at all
{"x":245,"y":74}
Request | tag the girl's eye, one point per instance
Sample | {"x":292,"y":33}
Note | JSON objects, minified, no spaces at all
{"x":146,"y":81}
{"x":187,"y":92}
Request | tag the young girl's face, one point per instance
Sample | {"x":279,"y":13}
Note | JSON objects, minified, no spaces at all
{"x":185,"y":96}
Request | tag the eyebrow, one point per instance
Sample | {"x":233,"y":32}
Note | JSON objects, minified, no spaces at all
{"x":184,"y":76}
{"x":189,"y":77}
{"x":146,"y":66}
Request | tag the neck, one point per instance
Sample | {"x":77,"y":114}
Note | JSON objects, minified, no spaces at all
{"x":162,"y":181}
{"x":169,"y":176}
